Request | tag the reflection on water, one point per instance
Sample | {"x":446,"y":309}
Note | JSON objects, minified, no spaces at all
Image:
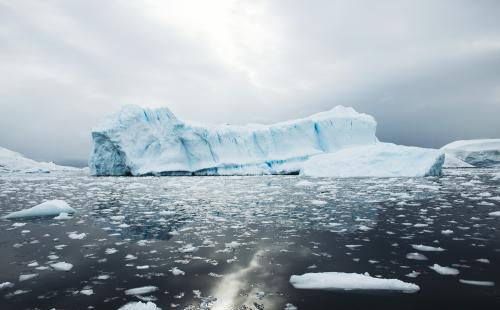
{"x":233,"y":242}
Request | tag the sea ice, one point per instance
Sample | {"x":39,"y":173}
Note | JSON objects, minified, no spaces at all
{"x":444,"y":270}
{"x":349,"y":281}
{"x":141,"y":290}
{"x":62,"y":266}
{"x":47,"y":208}
{"x":426,"y":248}
{"x":139,"y":305}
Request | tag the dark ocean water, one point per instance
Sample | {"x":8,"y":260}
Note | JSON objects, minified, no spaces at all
{"x":234,"y":242}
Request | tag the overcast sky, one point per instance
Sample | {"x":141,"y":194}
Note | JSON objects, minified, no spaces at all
{"x":428,"y":71}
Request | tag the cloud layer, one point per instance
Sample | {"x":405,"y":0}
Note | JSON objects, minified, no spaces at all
{"x":429,"y":71}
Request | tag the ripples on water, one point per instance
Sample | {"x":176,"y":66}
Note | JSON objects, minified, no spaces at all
{"x":233,"y":242}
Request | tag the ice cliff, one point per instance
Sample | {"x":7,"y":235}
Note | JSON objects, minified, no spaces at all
{"x":139,"y":141}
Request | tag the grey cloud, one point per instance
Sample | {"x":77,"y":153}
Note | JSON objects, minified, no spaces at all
{"x":429,"y":71}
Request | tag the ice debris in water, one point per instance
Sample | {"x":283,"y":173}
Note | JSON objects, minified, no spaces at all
{"x":141,"y":290}
{"x":426,"y":248}
{"x":139,"y":305}
{"x":444,"y":270}
{"x":349,"y":281}
{"x":62,"y":266}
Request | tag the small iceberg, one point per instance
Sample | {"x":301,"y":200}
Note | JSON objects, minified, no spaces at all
{"x":48,"y":208}
{"x":350,"y":281}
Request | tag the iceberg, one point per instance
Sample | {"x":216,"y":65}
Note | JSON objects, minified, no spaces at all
{"x":350,"y":281}
{"x":47,"y":208}
{"x":376,"y":160}
{"x":476,"y":152}
{"x":137,"y":141}
{"x":11,"y":161}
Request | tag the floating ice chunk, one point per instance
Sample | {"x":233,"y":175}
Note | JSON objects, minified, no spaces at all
{"x":62,"y":266}
{"x":6,"y":285}
{"x":177,"y":272}
{"x":141,"y":290}
{"x":47,"y":208}
{"x":139,"y":305}
{"x":188,"y":248}
{"x":290,"y":306}
{"x":63,"y":216}
{"x":77,"y":236}
{"x":416,"y":256}
{"x":233,"y":245}
{"x":483,"y":260}
{"x":413,"y":274}
{"x":447,"y":232}
{"x":24,"y":277}
{"x":349,"y":281}
{"x":496,"y":213}
{"x":376,"y":160}
{"x":426,"y":248}
{"x":444,"y":270}
{"x":87,"y":292}
{"x":480,"y":283}
{"x":110,"y":251}
{"x":130,"y":257}
{"x":18,"y":224}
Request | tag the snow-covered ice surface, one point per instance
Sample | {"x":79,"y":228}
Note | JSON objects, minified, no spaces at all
{"x":47,"y":208}
{"x":478,"y":152}
{"x":234,"y":242}
{"x":13,"y":162}
{"x":350,"y":281}
{"x":376,"y":160}
{"x":141,"y":141}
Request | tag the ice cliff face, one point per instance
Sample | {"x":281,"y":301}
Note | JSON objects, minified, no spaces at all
{"x":478,"y":152}
{"x":139,"y":141}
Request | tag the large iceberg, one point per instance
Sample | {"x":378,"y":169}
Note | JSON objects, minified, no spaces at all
{"x":139,"y":141}
{"x":376,"y":160}
{"x":11,"y":161}
{"x":477,"y":152}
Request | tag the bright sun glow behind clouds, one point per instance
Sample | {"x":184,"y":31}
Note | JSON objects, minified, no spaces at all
{"x":243,"y":35}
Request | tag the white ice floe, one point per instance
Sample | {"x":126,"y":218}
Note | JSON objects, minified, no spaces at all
{"x":177,"y":272}
{"x":24,"y":277}
{"x":479,"y":283}
{"x":376,"y":160}
{"x":141,"y":290}
{"x":62,"y":266}
{"x":416,"y":256}
{"x":443,"y":270}
{"x":6,"y":285}
{"x":47,"y":208}
{"x":77,"y":236}
{"x":139,"y":305}
{"x":63,"y":216}
{"x":426,"y":248}
{"x":447,"y":232}
{"x":87,"y":292}
{"x":110,"y":251}
{"x":349,"y":281}
{"x":495,"y":213}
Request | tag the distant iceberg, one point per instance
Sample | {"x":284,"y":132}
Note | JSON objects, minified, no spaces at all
{"x":476,"y":152}
{"x":137,"y":141}
{"x":11,"y":161}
